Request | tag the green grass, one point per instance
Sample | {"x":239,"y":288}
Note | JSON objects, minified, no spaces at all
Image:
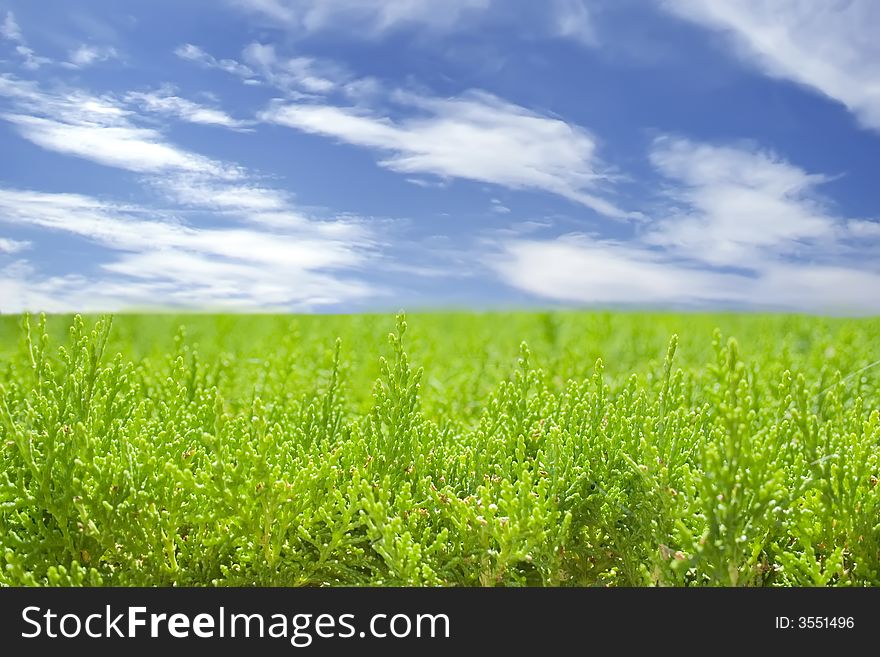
{"x":553,"y":449}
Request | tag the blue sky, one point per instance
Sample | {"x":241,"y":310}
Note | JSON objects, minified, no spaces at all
{"x":346,"y":155}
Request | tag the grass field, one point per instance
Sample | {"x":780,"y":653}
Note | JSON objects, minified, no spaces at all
{"x":555,"y":449}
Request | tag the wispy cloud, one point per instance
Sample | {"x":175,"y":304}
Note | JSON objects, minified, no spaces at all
{"x":476,"y":137}
{"x":205,"y":267}
{"x":498,"y":207}
{"x":831,"y":47}
{"x":86,"y":55}
{"x":268,"y":254}
{"x":738,"y":206}
{"x":98,"y":129}
{"x":103,"y":130}
{"x":300,"y":75}
{"x":31,"y":60}
{"x":573,"y":20}
{"x":10,"y":30}
{"x":205,"y":193}
{"x":742,"y":227}
{"x":369,"y":17}
{"x":20,"y":290}
{"x":165,"y":102}
{"x":585,"y":270}
{"x":254,"y":204}
{"x":864,"y":229}
{"x":124,"y":227}
{"x":9,"y":246}
{"x":193,"y":53}
{"x":126,"y":147}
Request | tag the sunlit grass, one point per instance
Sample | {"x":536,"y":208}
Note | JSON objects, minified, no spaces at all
{"x":566,"y":448}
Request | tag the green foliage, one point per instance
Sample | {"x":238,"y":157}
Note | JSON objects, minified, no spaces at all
{"x":603,"y":450}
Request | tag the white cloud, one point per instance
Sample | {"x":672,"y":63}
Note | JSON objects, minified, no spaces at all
{"x":200,"y":281}
{"x":498,"y":207}
{"x":203,"y":192}
{"x":736,"y":206}
{"x":428,"y":184}
{"x":31,"y":60}
{"x":126,"y":147}
{"x":9,"y":246}
{"x":19,"y":290}
{"x":264,"y":206}
{"x":298,"y":74}
{"x":298,"y":77}
{"x":742,"y":228}
{"x":476,"y":137}
{"x":831,"y":47}
{"x":175,"y":264}
{"x":369,"y":17}
{"x":165,"y":102}
{"x":864,"y":229}
{"x":86,"y":55}
{"x":73,"y":105}
{"x":582,"y":269}
{"x":267,"y":255}
{"x":589,"y":271}
{"x":123,"y":228}
{"x":10,"y":29}
{"x":195,"y":54}
{"x":573,"y":20}
{"x":173,"y":280}
{"x":99,"y":130}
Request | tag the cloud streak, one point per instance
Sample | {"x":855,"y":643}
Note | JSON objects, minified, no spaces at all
{"x":100,"y":130}
{"x":10,"y":30}
{"x":737,"y":206}
{"x":830,"y":47}
{"x":203,"y":267}
{"x":193,"y":53}
{"x":141,"y":150}
{"x":86,"y":55}
{"x":573,"y":20}
{"x":268,"y":255}
{"x":741,"y":227}
{"x":476,"y":136}
{"x":371,"y":18}
{"x":588,"y":271}
{"x":165,"y":102}
{"x":9,"y":246}
{"x":298,"y":76}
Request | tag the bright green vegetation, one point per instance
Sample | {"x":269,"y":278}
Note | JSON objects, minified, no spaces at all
{"x":265,"y":451}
